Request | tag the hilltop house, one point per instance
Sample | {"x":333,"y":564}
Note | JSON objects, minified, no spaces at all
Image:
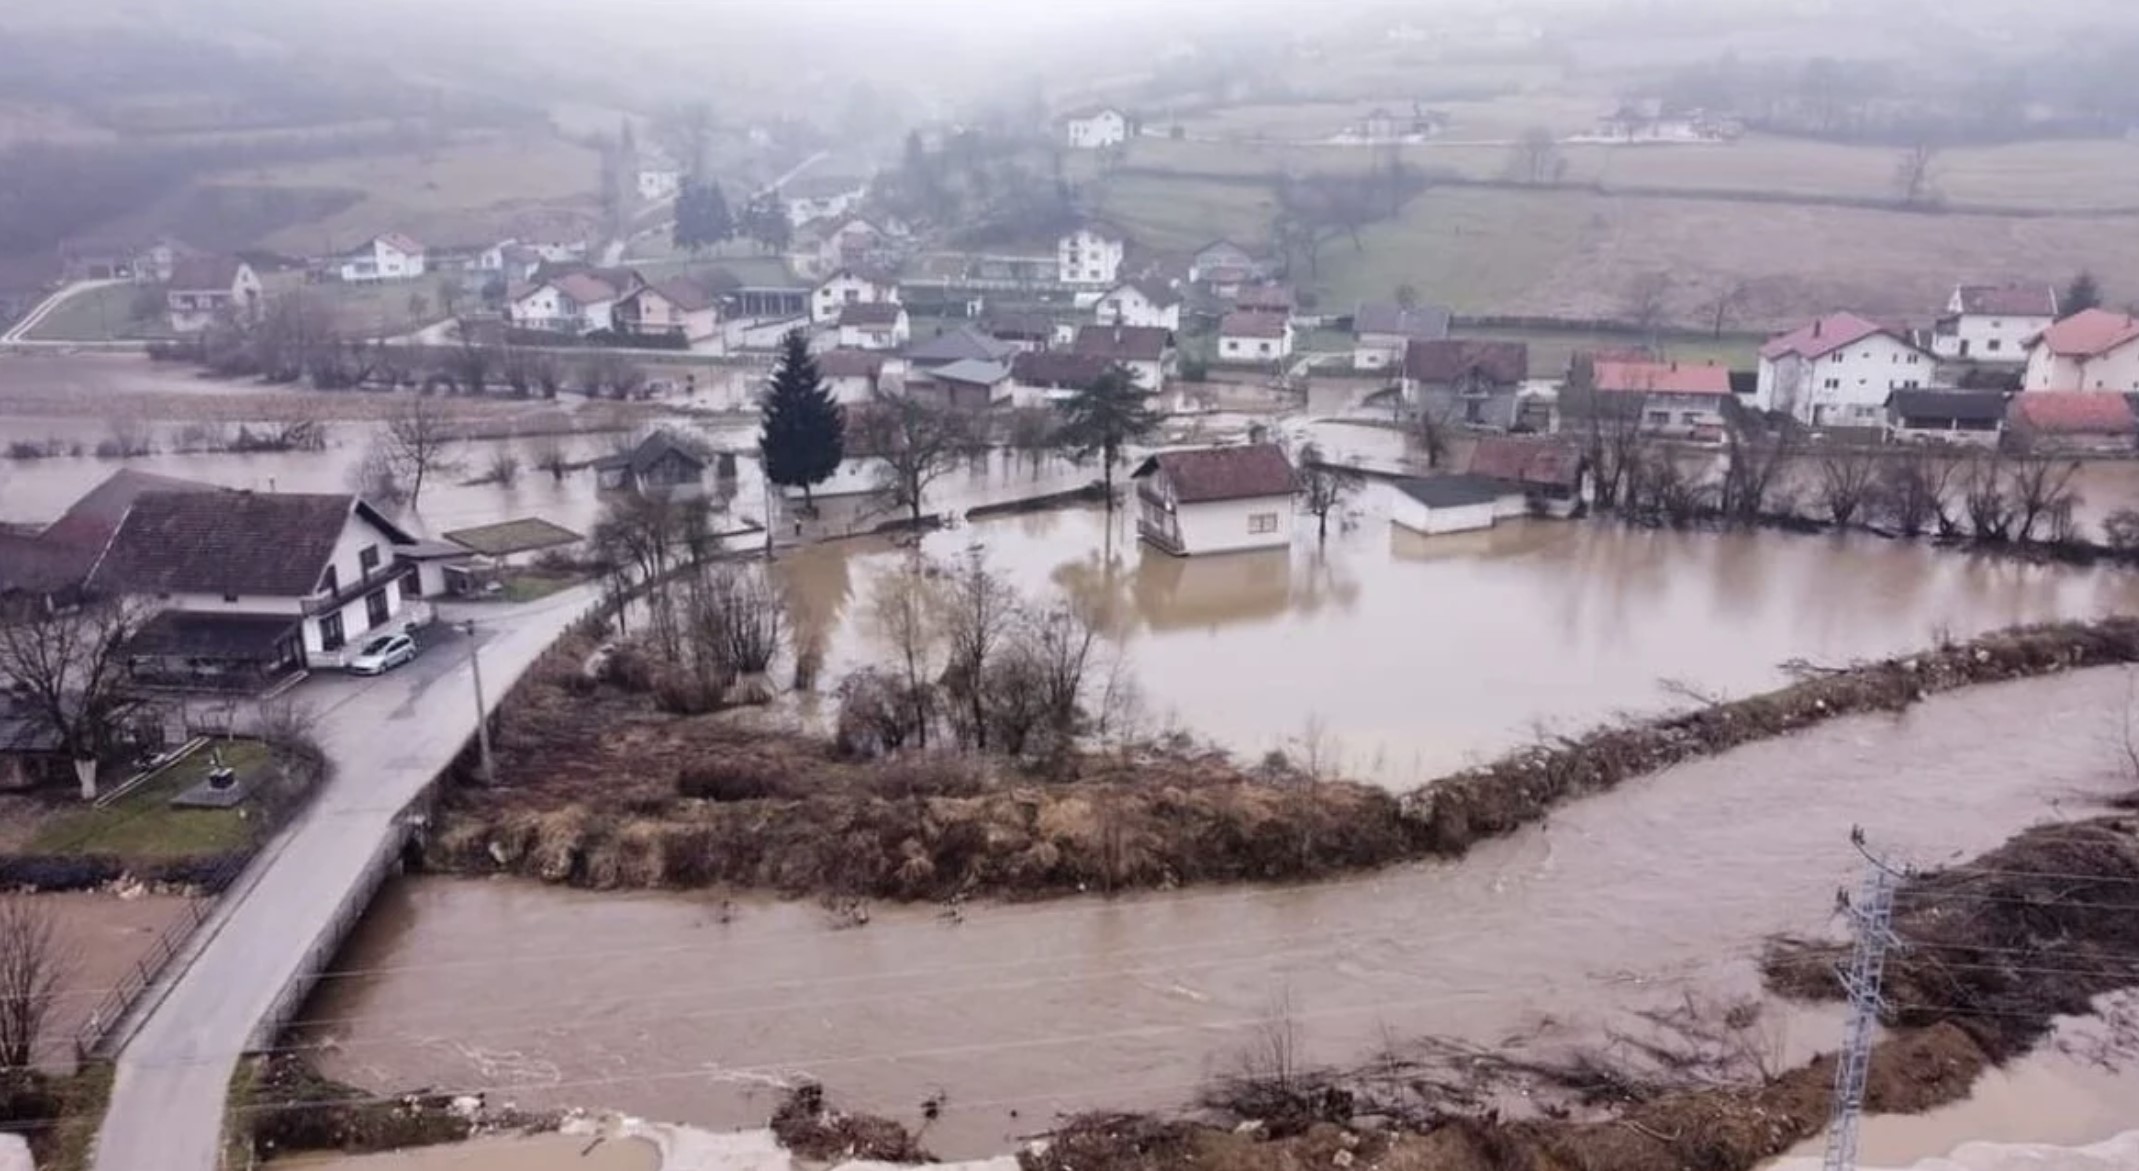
{"x":251,"y":586}
{"x":391,"y":257}
{"x":1462,"y":379}
{"x":1142,"y":302}
{"x":1215,"y":499}
{"x":1091,"y":129}
{"x":1838,"y":371}
{"x":851,"y":376}
{"x":677,"y":307}
{"x":1675,"y":398}
{"x":1145,"y":351}
{"x":658,"y":177}
{"x":658,"y":463}
{"x":1091,"y":255}
{"x":874,"y":325}
{"x":849,"y":286}
{"x":1258,"y":338}
{"x":1381,"y":330}
{"x":2090,"y":350}
{"x":204,"y":290}
{"x":1993,"y":323}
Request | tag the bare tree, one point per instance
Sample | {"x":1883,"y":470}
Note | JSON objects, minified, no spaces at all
{"x":1324,"y":486}
{"x":1730,"y":297}
{"x":1647,"y":303}
{"x":905,"y":607}
{"x":1913,"y":492}
{"x":977,"y":610}
{"x":70,"y":669}
{"x":2042,"y":494}
{"x":1912,"y":174}
{"x":1983,"y":497}
{"x":1537,"y":159}
{"x":1755,"y":455}
{"x":419,"y":442}
{"x":469,"y":364}
{"x":1846,"y":478}
{"x":914,"y":442}
{"x":503,"y":469}
{"x":34,"y":965}
{"x":613,"y":375}
{"x":547,"y":453}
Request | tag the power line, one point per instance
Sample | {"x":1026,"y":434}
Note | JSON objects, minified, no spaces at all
{"x":1871,"y":913}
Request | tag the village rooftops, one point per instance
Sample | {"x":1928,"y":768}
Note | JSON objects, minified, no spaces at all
{"x":850,"y":363}
{"x":89,"y":522}
{"x":1273,"y":298}
{"x":1249,"y":324}
{"x":204,"y":274}
{"x":1059,"y":368}
{"x":1450,"y":360}
{"x":972,"y":371}
{"x":963,"y":341}
{"x":1824,"y":335}
{"x":270,"y":544}
{"x":682,"y":292}
{"x":1453,"y":491}
{"x":1123,"y":343}
{"x":1023,"y":327}
{"x":2073,"y":412}
{"x":2018,"y":300}
{"x":2089,"y":332}
{"x":584,"y":288}
{"x":1541,"y":462}
{"x":1421,"y":322}
{"x":871,"y":313}
{"x":1662,"y":378}
{"x":1206,"y":474}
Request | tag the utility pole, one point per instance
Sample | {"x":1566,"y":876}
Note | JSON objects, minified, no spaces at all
{"x":482,"y":712}
{"x":1871,"y":915}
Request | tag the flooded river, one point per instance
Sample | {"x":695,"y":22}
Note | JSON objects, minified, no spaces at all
{"x":653,"y":1004}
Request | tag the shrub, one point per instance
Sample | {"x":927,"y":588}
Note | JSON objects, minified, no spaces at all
{"x":729,"y":778}
{"x":2120,"y":530}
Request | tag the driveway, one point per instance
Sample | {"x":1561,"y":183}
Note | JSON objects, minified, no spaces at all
{"x":387,"y":737}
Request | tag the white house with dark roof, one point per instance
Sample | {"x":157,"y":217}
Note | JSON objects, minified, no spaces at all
{"x":874,"y":325}
{"x":1091,"y":255}
{"x":1096,"y":127}
{"x":1382,"y":329}
{"x":1145,"y":351}
{"x":1993,"y":323}
{"x":1145,"y":302}
{"x":677,"y":307}
{"x":1215,"y":499}
{"x":573,"y":302}
{"x":849,"y":286}
{"x":852,"y":376}
{"x":1254,"y":338}
{"x":204,"y":290}
{"x":391,"y":257}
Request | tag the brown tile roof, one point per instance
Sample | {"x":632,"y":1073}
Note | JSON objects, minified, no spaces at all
{"x":1824,"y":335}
{"x":2090,"y":332}
{"x":850,"y":364}
{"x":2073,"y":412}
{"x":1662,"y":377}
{"x":1446,"y":360}
{"x":34,"y":566}
{"x":682,"y":292}
{"x":1024,"y":327}
{"x":1252,"y":325}
{"x":584,"y":288}
{"x":1058,"y":368}
{"x":204,"y":274}
{"x":2010,"y":300}
{"x":1550,"y":462}
{"x":1205,"y":474}
{"x":871,"y":313}
{"x":88,"y":524}
{"x":258,"y":543}
{"x":1122,"y":343}
{"x":1264,"y":297}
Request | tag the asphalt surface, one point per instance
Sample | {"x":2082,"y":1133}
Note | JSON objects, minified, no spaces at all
{"x":387,"y":737}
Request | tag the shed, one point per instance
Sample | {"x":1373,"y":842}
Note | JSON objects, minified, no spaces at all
{"x":1454,"y":504}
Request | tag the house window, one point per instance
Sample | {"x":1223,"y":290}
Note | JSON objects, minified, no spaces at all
{"x":367,"y":558}
{"x":1834,"y":384}
{"x":229,"y":597}
{"x":1262,"y":347}
{"x":412,"y":583}
{"x":376,"y":609}
{"x":1913,"y":355}
{"x":1262,"y":522}
{"x":1991,"y":345}
{"x":330,"y":632}
{"x":1657,"y":418}
{"x":1837,"y":359}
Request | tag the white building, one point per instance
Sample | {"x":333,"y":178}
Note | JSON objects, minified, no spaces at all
{"x":854,"y":376}
{"x":1146,"y":352}
{"x":575,"y":303}
{"x":848,"y":287}
{"x":1455,"y":504}
{"x":677,"y":307}
{"x":1091,"y":255}
{"x":1381,"y":330}
{"x":1993,"y":323}
{"x":1140,"y":302}
{"x":809,"y":198}
{"x":1093,"y":129}
{"x":205,"y":290}
{"x":1258,"y":338}
{"x":874,"y":325}
{"x":1838,"y":370}
{"x":1215,"y":499}
{"x":659,"y":180}
{"x":2090,"y":350}
{"x":392,"y":257}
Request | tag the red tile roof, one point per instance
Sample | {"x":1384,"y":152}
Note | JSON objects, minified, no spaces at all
{"x":396,"y":240}
{"x":1662,"y":377}
{"x":1824,"y":335}
{"x":1206,"y":474}
{"x":2090,"y":332}
{"x":2010,"y":300}
{"x":1551,"y":462}
{"x":584,"y":288}
{"x":2073,"y":412}
{"x":1252,"y":325}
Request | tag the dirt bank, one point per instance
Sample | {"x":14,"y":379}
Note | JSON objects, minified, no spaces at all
{"x":603,"y":790}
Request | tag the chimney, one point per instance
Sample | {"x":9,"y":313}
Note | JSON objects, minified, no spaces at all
{"x":1815,"y":327}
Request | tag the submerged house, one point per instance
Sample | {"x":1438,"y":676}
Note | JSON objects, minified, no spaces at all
{"x":1454,"y":504}
{"x":1551,"y":473}
{"x":1215,"y":499}
{"x":658,"y":463}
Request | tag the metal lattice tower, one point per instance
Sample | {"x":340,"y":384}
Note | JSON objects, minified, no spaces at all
{"x":1871,"y":914}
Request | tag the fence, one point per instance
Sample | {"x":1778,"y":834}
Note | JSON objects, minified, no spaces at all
{"x":90,"y":1038}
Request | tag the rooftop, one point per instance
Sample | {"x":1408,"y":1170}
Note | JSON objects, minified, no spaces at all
{"x":971,"y":370}
{"x":1549,"y":462}
{"x":1205,"y":474}
{"x":1422,"y":322}
{"x":513,"y":536}
{"x":963,"y":341}
{"x":271,"y":544}
{"x":1824,"y":335}
{"x":2090,"y":332}
{"x":1444,"y":360}
{"x":1967,"y":406}
{"x":1122,"y":343}
{"x":1059,"y":368}
{"x":1248,"y":324}
{"x":1662,"y":377}
{"x":2073,"y":412}
{"x":650,"y":451}
{"x":2027,"y":300}
{"x":204,"y":274}
{"x":871,"y":313}
{"x":1453,"y":491}
{"x":850,"y":364}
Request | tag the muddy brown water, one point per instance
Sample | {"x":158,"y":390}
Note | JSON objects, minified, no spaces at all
{"x":674,"y":1007}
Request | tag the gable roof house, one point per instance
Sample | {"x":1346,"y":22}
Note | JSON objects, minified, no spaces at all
{"x":391,"y":257}
{"x":204,"y":290}
{"x":1464,"y":380}
{"x":849,"y":286}
{"x":1838,"y":370}
{"x":968,"y":384}
{"x":1143,"y":301}
{"x":1675,"y":398}
{"x":251,"y":586}
{"x":1993,"y":323}
{"x":1435,"y":505}
{"x":1095,"y":127}
{"x":2090,"y":350}
{"x":660,"y":463}
{"x":1251,"y":338}
{"x":851,"y":376}
{"x":574,"y":302}
{"x":1551,"y":472}
{"x":2072,"y":422}
{"x":1381,"y":330}
{"x":963,"y":341}
{"x":1215,"y":499}
{"x":1145,"y":351}
{"x":675,"y":308}
{"x":1222,"y":262}
{"x":1090,"y":255}
{"x":874,"y":325}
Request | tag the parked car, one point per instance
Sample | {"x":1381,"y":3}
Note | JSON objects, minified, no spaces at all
{"x":383,"y":654}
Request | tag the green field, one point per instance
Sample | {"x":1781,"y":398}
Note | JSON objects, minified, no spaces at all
{"x":1472,"y":250}
{"x":143,"y":825}
{"x":1184,"y":214}
{"x":102,"y":314}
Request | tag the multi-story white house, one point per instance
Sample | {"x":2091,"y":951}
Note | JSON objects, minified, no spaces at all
{"x":1091,"y":255}
{"x":391,"y":257}
{"x":1838,"y":370}
{"x":249,"y":586}
{"x":204,"y":290}
{"x":1993,"y":323}
{"x":849,"y":286}
{"x":1140,"y":302}
{"x":2090,"y":350}
{"x":1096,"y":128}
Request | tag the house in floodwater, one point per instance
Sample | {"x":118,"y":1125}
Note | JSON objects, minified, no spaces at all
{"x":1215,"y":499}
{"x":1454,"y":504}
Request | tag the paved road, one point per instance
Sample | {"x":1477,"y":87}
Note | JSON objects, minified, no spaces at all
{"x":18,"y":335}
{"x":387,"y":737}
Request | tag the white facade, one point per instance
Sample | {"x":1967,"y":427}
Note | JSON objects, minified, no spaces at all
{"x":1846,"y":387}
{"x":547,"y":308}
{"x":845,"y":288}
{"x":1245,"y":348}
{"x":1378,"y":351}
{"x":1225,"y":526}
{"x":658,"y":183}
{"x":801,"y":209}
{"x":1982,"y":337}
{"x":1128,"y":305}
{"x":2115,"y":369}
{"x":1098,"y":129}
{"x":1420,"y":517}
{"x":877,"y":337}
{"x":194,"y":310}
{"x":1088,"y":257}
{"x":386,"y":258}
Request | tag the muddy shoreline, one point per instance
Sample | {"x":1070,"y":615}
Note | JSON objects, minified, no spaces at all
{"x":601,"y":805}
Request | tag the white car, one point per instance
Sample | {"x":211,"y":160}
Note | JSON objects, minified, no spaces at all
{"x":383,"y":654}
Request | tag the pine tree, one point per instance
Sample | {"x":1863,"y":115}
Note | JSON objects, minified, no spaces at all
{"x":803,"y":437}
{"x":1105,"y":417}
{"x":2082,"y":293}
{"x":702,"y":216}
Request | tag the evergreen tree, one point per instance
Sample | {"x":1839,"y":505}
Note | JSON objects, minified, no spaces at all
{"x":2082,"y":293}
{"x":702,"y":216}
{"x":803,"y":437}
{"x":1105,"y":417}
